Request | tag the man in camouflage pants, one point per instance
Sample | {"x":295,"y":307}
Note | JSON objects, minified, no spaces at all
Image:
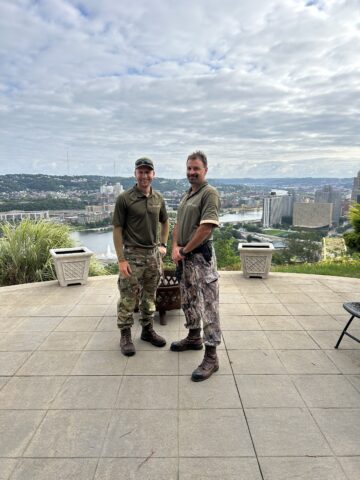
{"x":137,"y":214}
{"x":198,"y":215}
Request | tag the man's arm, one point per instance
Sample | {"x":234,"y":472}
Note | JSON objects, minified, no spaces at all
{"x":202,"y":232}
{"x":124,"y":266}
{"x":175,"y":247}
{"x":164,"y":234}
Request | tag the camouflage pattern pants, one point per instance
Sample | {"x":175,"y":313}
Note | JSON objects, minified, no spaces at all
{"x":199,"y":287}
{"x":145,"y":265}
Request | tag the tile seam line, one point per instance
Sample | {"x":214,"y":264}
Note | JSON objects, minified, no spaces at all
{"x":111,"y":415}
{"x":244,"y":413}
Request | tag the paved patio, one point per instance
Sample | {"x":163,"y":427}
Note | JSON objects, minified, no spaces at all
{"x":283,"y":405}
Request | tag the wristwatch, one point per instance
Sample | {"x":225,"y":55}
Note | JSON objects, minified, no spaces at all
{"x":163,"y":245}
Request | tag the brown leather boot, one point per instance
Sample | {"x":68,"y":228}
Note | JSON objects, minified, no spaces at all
{"x":208,"y":366}
{"x":148,"y":334}
{"x":192,"y":342}
{"x":126,"y":344}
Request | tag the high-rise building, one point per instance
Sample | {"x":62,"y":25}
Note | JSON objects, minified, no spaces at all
{"x":275,"y":207}
{"x":355,"y":194}
{"x":328,"y":194}
{"x":312,"y":215}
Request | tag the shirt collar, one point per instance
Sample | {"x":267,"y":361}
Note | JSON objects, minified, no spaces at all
{"x":190,"y":193}
{"x":139,"y":193}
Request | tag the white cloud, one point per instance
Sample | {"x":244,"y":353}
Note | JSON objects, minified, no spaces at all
{"x":264,"y":87}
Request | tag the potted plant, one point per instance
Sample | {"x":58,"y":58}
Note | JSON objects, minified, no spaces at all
{"x":71,"y":265}
{"x":256,"y":259}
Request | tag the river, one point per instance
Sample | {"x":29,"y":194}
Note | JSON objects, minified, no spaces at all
{"x":101,"y":242}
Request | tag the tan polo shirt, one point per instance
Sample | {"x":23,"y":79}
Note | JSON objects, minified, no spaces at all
{"x":196,"y":208}
{"x":139,"y":217}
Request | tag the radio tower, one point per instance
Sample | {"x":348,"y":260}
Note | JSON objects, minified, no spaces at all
{"x":67,"y":162}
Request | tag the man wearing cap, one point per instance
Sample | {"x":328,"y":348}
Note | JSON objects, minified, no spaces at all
{"x":138,"y":212}
{"x":198,"y":215}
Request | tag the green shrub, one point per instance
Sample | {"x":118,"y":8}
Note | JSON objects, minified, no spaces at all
{"x":352,"y":240}
{"x":96,"y":269}
{"x":24,"y":250}
{"x":354,"y":216}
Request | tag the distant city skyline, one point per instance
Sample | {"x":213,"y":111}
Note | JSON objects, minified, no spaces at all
{"x":267,"y":88}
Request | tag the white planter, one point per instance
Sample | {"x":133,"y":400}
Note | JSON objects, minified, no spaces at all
{"x":256,"y":259}
{"x":71,"y":265}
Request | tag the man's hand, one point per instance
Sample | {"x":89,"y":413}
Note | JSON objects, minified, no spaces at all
{"x":176,"y":256}
{"x":162,"y":251}
{"x":124,"y":269}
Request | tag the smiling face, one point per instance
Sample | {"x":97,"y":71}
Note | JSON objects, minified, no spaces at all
{"x":144,"y":176}
{"x":196,"y":172}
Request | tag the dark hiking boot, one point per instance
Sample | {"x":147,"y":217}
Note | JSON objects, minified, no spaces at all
{"x":148,"y":334}
{"x":208,"y":366}
{"x":192,"y":342}
{"x":126,"y":344}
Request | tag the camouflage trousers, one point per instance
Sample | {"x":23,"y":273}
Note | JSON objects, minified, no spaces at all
{"x":142,"y":283}
{"x":199,"y":287}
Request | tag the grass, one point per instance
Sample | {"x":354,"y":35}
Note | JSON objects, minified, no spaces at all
{"x":275,"y":232}
{"x":344,"y":268}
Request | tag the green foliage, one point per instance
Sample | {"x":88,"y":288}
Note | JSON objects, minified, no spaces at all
{"x":86,"y":183}
{"x":24,"y":250}
{"x":112,"y":268}
{"x":354,"y":216}
{"x":43,"y":204}
{"x":96,"y":269}
{"x":105,"y":222}
{"x":276,"y":232}
{"x":344,"y":267}
{"x":352,"y":240}
{"x":225,"y":246}
{"x":303,"y":249}
{"x":250,"y":227}
{"x":300,"y":247}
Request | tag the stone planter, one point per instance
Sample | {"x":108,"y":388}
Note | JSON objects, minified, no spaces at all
{"x":256,"y":259}
{"x":167,"y":295}
{"x":71,"y":265}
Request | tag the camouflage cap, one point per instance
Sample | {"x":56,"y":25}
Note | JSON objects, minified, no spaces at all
{"x":144,"y":162}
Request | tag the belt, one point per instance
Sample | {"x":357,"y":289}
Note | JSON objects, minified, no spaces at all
{"x":141,"y":249}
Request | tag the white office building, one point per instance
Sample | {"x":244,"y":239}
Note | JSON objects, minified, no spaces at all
{"x":275,"y":207}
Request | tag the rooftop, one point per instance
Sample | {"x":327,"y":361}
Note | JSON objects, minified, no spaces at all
{"x":283,"y":405}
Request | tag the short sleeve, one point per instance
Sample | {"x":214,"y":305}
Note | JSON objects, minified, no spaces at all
{"x":210,"y":208}
{"x":119,"y":216}
{"x":163,"y":216}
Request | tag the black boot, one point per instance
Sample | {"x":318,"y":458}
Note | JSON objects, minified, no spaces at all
{"x":208,"y":366}
{"x":192,"y":342}
{"x":126,"y":344}
{"x":148,"y":334}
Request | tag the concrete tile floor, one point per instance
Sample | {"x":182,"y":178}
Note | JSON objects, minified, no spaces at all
{"x":284,"y":404}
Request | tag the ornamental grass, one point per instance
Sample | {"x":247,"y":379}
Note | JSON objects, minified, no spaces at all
{"x":24,"y":250}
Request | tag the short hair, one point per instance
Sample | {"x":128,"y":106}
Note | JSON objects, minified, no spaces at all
{"x":198,"y":155}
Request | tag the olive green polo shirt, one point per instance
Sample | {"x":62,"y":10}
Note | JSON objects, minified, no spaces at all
{"x":196,"y":208}
{"x":139,"y":217}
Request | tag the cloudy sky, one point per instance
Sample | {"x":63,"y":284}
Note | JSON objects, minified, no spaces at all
{"x":264,"y":87}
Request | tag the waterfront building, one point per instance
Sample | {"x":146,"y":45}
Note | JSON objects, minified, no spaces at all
{"x":18,"y":215}
{"x":275,"y":207}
